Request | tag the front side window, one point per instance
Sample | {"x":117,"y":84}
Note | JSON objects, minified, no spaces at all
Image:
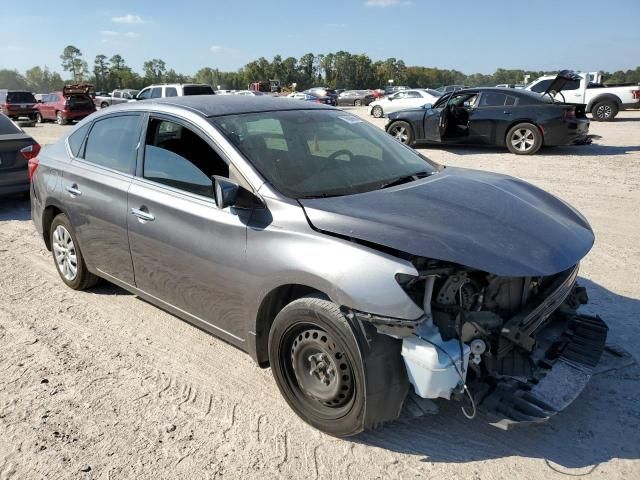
{"x":176,"y":156}
{"x":316,"y":153}
{"x":156,"y":92}
{"x":144,"y":94}
{"x":112,"y":142}
{"x":116,"y":94}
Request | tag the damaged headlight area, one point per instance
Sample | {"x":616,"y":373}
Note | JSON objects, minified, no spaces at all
{"x":515,"y":346}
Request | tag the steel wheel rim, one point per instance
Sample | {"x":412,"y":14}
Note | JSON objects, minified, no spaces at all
{"x":328,"y":390}
{"x":523,"y":139}
{"x":401,"y":134}
{"x":604,"y":111}
{"x":64,"y":253}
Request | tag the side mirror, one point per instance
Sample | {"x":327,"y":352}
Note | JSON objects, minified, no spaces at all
{"x":225,"y":191}
{"x":38,"y":101}
{"x":427,"y":106}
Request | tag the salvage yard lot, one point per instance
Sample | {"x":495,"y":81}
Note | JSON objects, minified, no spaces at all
{"x":102,"y":385}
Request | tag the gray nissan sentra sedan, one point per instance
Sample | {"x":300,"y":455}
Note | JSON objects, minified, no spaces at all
{"x":356,"y":268}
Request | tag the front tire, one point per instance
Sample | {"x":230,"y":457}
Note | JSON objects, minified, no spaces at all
{"x":67,"y":256}
{"x":357,"y":103}
{"x":604,"y":111}
{"x":377,"y":112}
{"x":318,"y":367}
{"x":524,"y":139}
{"x":39,"y":118}
{"x":402,"y":132}
{"x":60,"y":119}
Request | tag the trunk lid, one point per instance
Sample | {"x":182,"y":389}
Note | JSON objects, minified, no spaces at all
{"x":561,"y":80}
{"x":10,"y":145}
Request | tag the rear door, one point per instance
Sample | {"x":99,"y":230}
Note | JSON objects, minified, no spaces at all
{"x":186,"y":251}
{"x":95,"y":184}
{"x":492,"y":112}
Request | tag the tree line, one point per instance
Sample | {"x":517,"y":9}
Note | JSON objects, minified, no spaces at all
{"x":337,"y":70}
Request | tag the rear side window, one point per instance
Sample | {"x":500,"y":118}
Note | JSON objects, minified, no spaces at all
{"x":170,"y":92}
{"x":116,"y":94}
{"x":7,"y":127}
{"x":20,"y":97}
{"x":112,"y":143}
{"x":492,"y":99}
{"x":76,"y":138}
{"x":197,"y":90}
{"x":176,"y":156}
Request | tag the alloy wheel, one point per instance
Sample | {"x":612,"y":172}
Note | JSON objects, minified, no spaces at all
{"x":604,"y":111}
{"x":401,"y":134}
{"x":59,"y":119}
{"x":64,"y":251}
{"x":523,"y":139}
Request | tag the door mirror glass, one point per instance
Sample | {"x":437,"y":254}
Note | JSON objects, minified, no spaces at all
{"x":427,"y":106}
{"x":225,"y":191}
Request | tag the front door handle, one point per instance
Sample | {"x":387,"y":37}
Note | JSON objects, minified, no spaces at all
{"x":73,"y":190}
{"x":507,"y":112}
{"x":142,"y":215}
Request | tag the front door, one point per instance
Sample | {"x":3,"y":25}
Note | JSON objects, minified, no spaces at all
{"x":186,"y":251}
{"x":96,"y":183}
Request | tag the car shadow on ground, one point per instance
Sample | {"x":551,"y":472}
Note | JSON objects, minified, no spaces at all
{"x":15,"y":207}
{"x":602,"y":424}
{"x":593,"y":149}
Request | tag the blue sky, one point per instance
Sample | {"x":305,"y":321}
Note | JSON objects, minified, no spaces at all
{"x":470,"y":36}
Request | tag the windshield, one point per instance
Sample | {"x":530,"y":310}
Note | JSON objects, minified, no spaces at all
{"x":20,"y":97}
{"x":7,"y":127}
{"x":320,"y":153}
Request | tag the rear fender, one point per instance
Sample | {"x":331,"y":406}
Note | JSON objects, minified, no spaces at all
{"x":605,"y":96}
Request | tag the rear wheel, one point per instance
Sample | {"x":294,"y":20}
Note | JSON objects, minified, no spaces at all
{"x":60,"y":119}
{"x":39,"y":118}
{"x":524,"y":139}
{"x":357,"y":103}
{"x":402,"y":132}
{"x":67,"y":256}
{"x":318,"y":367}
{"x":104,"y":105}
{"x":377,"y":111}
{"x":604,"y":111}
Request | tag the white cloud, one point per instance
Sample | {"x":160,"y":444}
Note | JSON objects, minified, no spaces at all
{"x":112,"y":33}
{"x":387,"y":3}
{"x":216,"y":48}
{"x":129,"y":18}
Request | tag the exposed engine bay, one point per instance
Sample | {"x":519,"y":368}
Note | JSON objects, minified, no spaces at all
{"x":516,"y":345}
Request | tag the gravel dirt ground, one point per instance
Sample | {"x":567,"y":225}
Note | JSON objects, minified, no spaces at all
{"x":101,"y":385}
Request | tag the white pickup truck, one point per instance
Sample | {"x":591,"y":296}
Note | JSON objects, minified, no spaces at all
{"x":604,"y":102}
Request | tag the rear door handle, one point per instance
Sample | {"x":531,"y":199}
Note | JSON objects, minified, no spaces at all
{"x":142,"y":215}
{"x":73,"y":190}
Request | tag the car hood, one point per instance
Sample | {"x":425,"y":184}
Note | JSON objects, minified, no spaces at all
{"x":481,"y":220}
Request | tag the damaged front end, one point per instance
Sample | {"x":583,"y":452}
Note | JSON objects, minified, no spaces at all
{"x":516,"y":346}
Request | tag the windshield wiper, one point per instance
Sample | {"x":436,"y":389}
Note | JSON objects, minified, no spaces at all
{"x":321,"y":195}
{"x":405,"y":179}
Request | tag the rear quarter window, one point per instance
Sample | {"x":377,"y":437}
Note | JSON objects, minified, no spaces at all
{"x":20,"y":97}
{"x":7,"y":127}
{"x":76,"y":138}
{"x":112,"y":142}
{"x":197,"y":90}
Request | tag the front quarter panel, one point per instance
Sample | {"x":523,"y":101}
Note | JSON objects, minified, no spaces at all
{"x":288,"y":251}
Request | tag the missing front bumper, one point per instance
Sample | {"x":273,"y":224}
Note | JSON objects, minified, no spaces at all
{"x":554,"y":386}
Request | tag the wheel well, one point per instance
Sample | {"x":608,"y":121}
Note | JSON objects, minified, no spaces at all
{"x":604,"y":97}
{"x":271,"y":305}
{"x":47,"y":218}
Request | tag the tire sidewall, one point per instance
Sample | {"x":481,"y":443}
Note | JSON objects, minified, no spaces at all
{"x":59,"y":119}
{"x":39,"y":118}
{"x":407,"y":127}
{"x":301,"y":312}
{"x":614,"y":111}
{"x":82,"y":271}
{"x":376,"y":109}
{"x":536,"y":135}
{"x":357,"y":103}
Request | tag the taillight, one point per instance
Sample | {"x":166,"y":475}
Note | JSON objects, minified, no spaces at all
{"x":30,"y":153}
{"x":636,"y":94}
{"x":570,"y":114}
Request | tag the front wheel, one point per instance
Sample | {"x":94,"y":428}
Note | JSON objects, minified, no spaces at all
{"x":104,"y":105}
{"x":357,"y":103}
{"x":524,"y":139}
{"x":60,"y":119}
{"x":402,"y":132}
{"x":39,"y":118}
{"x":318,"y":367}
{"x":377,"y":111}
{"x":604,"y":111}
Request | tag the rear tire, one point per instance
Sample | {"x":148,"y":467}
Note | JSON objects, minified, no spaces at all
{"x":318,"y":367}
{"x":402,"y":132}
{"x":524,"y":139}
{"x":604,"y":111}
{"x":377,"y":112}
{"x":67,"y":256}
{"x":60,"y":119}
{"x":104,"y":105}
{"x":357,"y":103}
{"x":39,"y":118}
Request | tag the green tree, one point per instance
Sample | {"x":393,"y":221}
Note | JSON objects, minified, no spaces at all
{"x":101,"y":72}
{"x":13,"y":79}
{"x":155,"y":70}
{"x":72,"y":62}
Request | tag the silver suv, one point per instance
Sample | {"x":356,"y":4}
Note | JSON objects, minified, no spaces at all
{"x":355,"y":267}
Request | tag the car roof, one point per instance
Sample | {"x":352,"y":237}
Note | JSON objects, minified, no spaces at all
{"x":217,"y":105}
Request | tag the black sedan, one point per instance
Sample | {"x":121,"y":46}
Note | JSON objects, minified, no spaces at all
{"x":355,"y":98}
{"x":522,"y":121}
{"x":16,"y":149}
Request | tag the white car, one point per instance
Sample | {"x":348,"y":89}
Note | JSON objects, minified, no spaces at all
{"x":402,"y":100}
{"x":173,"y":90}
{"x":250,"y":93}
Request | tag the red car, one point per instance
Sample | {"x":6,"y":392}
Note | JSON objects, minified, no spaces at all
{"x":72,"y":103}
